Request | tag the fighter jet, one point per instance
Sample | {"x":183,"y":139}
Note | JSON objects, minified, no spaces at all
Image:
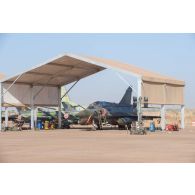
{"x":101,"y":112}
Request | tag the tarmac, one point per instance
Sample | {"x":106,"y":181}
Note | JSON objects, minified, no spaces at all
{"x":106,"y":146}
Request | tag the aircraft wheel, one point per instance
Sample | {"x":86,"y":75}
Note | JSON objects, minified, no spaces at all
{"x":129,"y":126}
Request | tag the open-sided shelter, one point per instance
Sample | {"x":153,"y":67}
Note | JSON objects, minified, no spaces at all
{"x":41,"y":85}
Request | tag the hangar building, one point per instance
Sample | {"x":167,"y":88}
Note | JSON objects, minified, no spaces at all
{"x":41,"y":85}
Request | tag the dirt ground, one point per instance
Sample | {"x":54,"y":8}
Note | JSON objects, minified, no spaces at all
{"x":110,"y":146}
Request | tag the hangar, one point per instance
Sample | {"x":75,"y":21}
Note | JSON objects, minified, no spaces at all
{"x":41,"y":85}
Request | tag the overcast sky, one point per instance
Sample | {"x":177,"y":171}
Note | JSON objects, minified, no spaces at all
{"x":169,"y":54}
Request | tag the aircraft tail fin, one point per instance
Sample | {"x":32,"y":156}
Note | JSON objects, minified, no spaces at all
{"x":66,"y":97}
{"x":126,"y":99}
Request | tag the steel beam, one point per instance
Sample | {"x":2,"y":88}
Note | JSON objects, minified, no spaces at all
{"x":35,"y":117}
{"x":59,"y":109}
{"x":139,"y":99}
{"x":6,"y":117}
{"x":182,"y":116}
{"x":12,"y":84}
{"x":162,"y":114}
{"x":32,"y":108}
{"x":1,"y":104}
{"x":139,"y":88}
{"x":69,"y":89}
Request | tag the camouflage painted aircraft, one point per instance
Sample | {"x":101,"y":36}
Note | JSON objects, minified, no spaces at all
{"x":121,"y":114}
{"x":50,"y":113}
{"x":102,"y":112}
{"x":42,"y":113}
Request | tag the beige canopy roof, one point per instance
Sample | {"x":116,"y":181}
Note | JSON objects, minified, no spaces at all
{"x":145,"y":75}
{"x":158,"y":88}
{"x":68,"y":68}
{"x":57,"y":72}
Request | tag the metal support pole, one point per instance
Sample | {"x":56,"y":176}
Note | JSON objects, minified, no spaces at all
{"x":139,"y":88}
{"x":35,"y":116}
{"x":32,"y":108}
{"x":162,"y":114}
{"x":59,"y":108}
{"x":182,"y":116}
{"x":139,"y":99}
{"x":1,"y":103}
{"x":6,"y":117}
{"x":139,"y":110}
